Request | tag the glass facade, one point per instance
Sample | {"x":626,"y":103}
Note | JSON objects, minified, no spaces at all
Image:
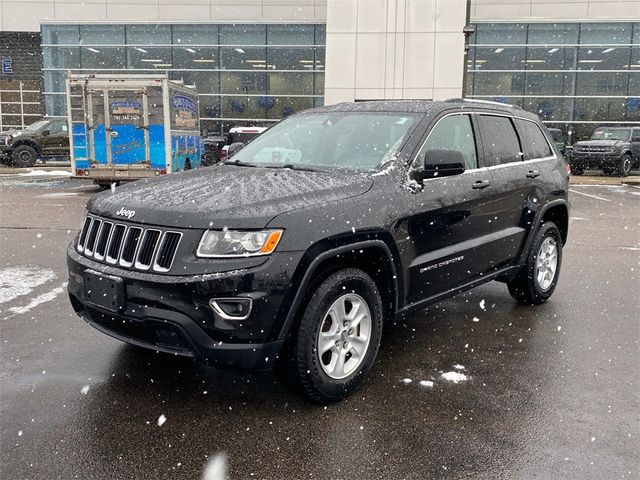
{"x":576,"y":76}
{"x":245,"y":74}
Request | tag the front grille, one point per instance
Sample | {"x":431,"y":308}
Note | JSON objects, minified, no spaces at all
{"x":128,"y":246}
{"x":593,"y":149}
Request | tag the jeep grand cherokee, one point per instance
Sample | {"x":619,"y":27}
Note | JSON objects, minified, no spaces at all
{"x":295,"y":251}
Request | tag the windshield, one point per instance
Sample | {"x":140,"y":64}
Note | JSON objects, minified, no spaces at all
{"x":356,"y":141}
{"x":611,"y":134}
{"x":37,"y":125}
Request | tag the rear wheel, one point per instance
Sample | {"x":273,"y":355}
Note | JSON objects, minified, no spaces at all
{"x":537,"y":280}
{"x":577,"y":170}
{"x":338,"y":338}
{"x":187,"y":164}
{"x":624,"y":167}
{"x":24,"y":156}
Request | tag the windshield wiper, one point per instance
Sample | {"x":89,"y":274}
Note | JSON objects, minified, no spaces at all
{"x":239,"y":163}
{"x":301,"y":168}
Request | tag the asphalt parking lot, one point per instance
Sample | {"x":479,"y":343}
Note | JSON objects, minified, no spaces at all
{"x":551,"y":391}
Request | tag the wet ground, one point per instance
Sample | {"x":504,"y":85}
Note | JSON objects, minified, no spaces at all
{"x":552,"y":391}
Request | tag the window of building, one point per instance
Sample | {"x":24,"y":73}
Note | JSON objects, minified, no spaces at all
{"x":245,"y":73}
{"x":574,"y":75}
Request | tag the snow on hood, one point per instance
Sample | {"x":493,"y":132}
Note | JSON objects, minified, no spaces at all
{"x":225,"y":195}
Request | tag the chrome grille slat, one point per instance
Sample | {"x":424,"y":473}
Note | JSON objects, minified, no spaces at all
{"x":91,"y":237}
{"x":115,"y":244}
{"x":128,"y":246}
{"x":102,"y":240}
{"x":147,"y":249}
{"x":83,"y":232}
{"x":167,"y":250}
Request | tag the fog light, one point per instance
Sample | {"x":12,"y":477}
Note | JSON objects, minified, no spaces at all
{"x":235,"y":308}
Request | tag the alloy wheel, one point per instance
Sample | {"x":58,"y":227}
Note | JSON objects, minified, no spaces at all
{"x":344,"y":336}
{"x":547,"y":263}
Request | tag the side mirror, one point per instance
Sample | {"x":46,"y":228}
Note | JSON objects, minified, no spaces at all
{"x":441,"y":163}
{"x":234,"y":148}
{"x":46,"y":133}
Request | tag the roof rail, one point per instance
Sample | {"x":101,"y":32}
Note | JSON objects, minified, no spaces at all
{"x":475,"y":100}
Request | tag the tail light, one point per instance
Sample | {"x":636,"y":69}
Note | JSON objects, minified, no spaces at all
{"x":79,"y":172}
{"x":223,"y":154}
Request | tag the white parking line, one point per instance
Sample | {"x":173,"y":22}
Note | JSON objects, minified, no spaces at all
{"x":589,"y":195}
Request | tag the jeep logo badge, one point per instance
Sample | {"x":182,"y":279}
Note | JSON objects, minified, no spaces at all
{"x":126,"y":213}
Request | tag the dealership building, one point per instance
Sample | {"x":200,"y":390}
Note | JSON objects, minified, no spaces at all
{"x":574,"y":62}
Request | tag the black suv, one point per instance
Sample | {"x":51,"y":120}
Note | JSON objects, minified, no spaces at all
{"x":296,"y":251}
{"x":615,"y":150}
{"x":44,"y":138}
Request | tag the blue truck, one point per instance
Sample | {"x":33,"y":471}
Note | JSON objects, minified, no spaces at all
{"x":128,"y":127}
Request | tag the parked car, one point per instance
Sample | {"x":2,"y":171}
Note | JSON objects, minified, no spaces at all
{"x":296,"y":252}
{"x":211,"y":148}
{"x":48,"y":137}
{"x":240,"y":135}
{"x":614,"y":150}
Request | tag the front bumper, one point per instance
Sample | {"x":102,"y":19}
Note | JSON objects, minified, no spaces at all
{"x":5,"y":150}
{"x":172,"y":313}
{"x":594,"y":160}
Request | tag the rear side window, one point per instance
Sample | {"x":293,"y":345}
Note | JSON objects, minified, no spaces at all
{"x":534,"y":142}
{"x":452,"y":133}
{"x":635,"y":136}
{"x":499,"y":139}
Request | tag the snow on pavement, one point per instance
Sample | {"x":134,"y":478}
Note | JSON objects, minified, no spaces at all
{"x":18,"y":281}
{"x":39,"y":300}
{"x":45,"y":173}
{"x":454,"y":377}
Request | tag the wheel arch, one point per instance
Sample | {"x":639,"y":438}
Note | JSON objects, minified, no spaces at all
{"x":372,"y":255}
{"x":27,"y":141}
{"x":556,"y":211}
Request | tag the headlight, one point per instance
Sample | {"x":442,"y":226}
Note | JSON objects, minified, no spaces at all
{"x":235,"y":243}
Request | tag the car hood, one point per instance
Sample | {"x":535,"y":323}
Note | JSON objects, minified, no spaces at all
{"x":225,"y":196}
{"x":598,"y":143}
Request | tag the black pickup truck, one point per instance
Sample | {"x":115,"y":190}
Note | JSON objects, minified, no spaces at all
{"x":44,"y":138}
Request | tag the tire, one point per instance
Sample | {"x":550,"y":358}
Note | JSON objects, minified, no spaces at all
{"x":577,"y":171}
{"x":531,"y":286}
{"x":320,"y":376}
{"x":187,"y":165}
{"x":624,"y":167}
{"x":24,"y":156}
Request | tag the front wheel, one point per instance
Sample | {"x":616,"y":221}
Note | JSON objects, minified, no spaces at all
{"x":624,"y":167}
{"x":24,"y":156}
{"x":338,"y":338}
{"x":537,"y":279}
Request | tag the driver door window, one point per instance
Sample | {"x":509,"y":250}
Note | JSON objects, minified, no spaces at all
{"x":453,"y":133}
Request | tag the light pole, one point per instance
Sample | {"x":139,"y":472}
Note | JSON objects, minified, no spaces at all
{"x":467,"y":31}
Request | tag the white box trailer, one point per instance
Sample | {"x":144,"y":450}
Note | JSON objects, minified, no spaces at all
{"x":127,"y":127}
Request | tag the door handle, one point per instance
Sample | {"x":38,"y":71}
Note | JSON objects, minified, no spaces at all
{"x":533,"y":174}
{"x":481,"y":184}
